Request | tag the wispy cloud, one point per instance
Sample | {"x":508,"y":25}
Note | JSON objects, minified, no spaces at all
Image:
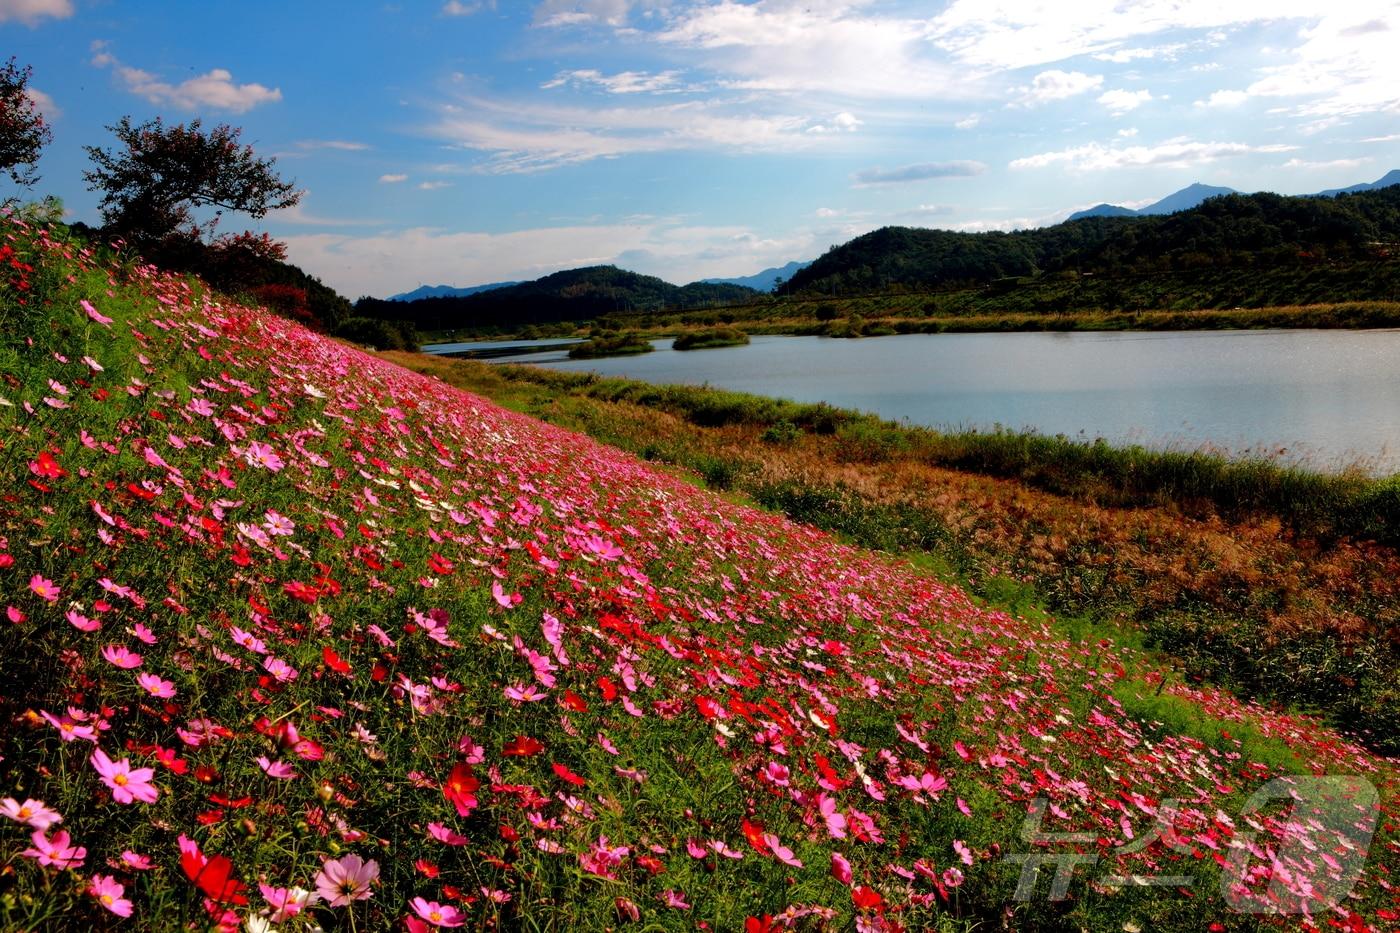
{"x":458,"y":8}
{"x":215,"y":89}
{"x":920,"y":172}
{"x":1175,"y":153}
{"x":30,"y":12}
{"x":433,"y":185}
{"x":340,"y":144}
{"x":392,"y":178}
{"x":1330,"y":163}
{"x":523,"y":137}
{"x":624,"y":82}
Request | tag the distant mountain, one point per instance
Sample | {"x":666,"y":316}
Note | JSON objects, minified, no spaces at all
{"x":1234,"y":230}
{"x":1103,"y":210}
{"x":446,"y":291}
{"x":1391,"y":177}
{"x":572,"y":295}
{"x":1185,"y":199}
{"x":766,"y":280}
{"x":1182,"y":200}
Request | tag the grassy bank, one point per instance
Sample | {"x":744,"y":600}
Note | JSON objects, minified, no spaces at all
{"x":1279,"y":583}
{"x":710,"y":338}
{"x":628,"y":344}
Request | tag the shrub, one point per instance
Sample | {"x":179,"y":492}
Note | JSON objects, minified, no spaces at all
{"x":382,"y":335}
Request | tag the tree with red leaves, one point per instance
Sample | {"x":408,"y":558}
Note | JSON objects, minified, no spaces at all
{"x":152,"y":186}
{"x":23,"y":133}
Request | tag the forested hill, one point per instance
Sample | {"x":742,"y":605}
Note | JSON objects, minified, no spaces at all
{"x":1237,"y":229}
{"x":572,"y":295}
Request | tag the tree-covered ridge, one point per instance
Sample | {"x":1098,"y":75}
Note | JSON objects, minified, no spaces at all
{"x":1236,"y":230}
{"x":571,"y":295}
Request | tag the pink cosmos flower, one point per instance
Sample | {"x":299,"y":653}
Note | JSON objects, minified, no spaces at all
{"x":32,"y":812}
{"x":127,"y":784}
{"x":446,"y":834}
{"x":156,"y":687}
{"x":279,"y":669}
{"x":276,"y":769}
{"x":439,"y":915}
{"x":674,"y":899}
{"x":781,"y":852}
{"x":44,"y":589}
{"x":286,"y":903}
{"x":136,"y":861}
{"x":109,"y":894}
{"x":58,"y":852}
{"x":524,"y":693}
{"x":70,"y":729}
{"x":841,"y":868}
{"x":343,"y":881}
{"x":121,"y":656}
{"x":94,"y":314}
{"x":81,"y":622}
{"x":952,"y":877}
{"x":262,"y":455}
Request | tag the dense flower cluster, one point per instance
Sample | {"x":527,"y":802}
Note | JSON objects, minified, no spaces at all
{"x":296,"y":637}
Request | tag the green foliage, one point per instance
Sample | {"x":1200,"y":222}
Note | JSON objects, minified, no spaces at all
{"x":781,"y":432}
{"x":382,"y":335}
{"x":23,"y":132}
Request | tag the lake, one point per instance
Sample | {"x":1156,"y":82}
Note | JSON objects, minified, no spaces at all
{"x":1325,"y":398}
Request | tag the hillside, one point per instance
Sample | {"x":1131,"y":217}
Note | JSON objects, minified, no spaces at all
{"x":764,"y":281}
{"x":571,"y":295}
{"x":296,"y":636}
{"x":446,"y":291}
{"x":1257,"y":230}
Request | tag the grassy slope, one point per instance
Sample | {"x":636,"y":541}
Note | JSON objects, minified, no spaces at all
{"x":1260,"y":590}
{"x":448,"y":577}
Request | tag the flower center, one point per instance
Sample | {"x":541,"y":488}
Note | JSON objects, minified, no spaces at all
{"x":106,"y":899}
{"x":435,"y":916}
{"x":120,"y":780}
{"x":25,"y":813}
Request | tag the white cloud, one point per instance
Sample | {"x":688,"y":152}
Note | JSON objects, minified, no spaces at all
{"x":1333,"y":163}
{"x":1128,"y":132}
{"x":1119,"y":101}
{"x":1055,"y":85}
{"x":576,"y":12}
{"x":1123,"y":56}
{"x":1174,"y":153}
{"x":1390,"y":138}
{"x":43,"y":103}
{"x":30,"y":12}
{"x":825,"y":212}
{"x":1224,"y":99}
{"x":843,"y":122}
{"x":433,"y":185}
{"x":967,"y":123}
{"x":830,"y":46}
{"x":392,"y":179}
{"x":921,"y":172}
{"x":624,"y":82}
{"x":1009,"y":34}
{"x":215,"y":89}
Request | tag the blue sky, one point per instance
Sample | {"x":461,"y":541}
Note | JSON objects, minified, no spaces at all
{"x":469,"y":142}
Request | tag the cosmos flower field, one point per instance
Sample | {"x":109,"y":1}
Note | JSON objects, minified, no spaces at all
{"x":297,"y":639}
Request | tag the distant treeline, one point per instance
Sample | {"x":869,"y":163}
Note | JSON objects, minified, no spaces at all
{"x":572,"y":295}
{"x":1238,"y":230}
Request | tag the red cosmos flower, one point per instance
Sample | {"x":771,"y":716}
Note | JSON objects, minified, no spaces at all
{"x":334,"y":661}
{"x":213,"y":875}
{"x":757,"y":925}
{"x":460,"y":788}
{"x":574,"y":702}
{"x":47,"y":467}
{"x":609,"y":689}
{"x":522,"y":746}
{"x":753,"y":832}
{"x":567,"y":775}
{"x":867,"y":898}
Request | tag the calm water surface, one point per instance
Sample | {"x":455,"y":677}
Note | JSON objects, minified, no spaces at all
{"x":1325,"y":398}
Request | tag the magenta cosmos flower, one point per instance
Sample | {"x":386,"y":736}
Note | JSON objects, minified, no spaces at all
{"x":32,"y":812}
{"x":343,"y":881}
{"x":128,"y":784}
{"x":58,"y":851}
{"x":439,"y":915}
{"x":108,"y":892}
